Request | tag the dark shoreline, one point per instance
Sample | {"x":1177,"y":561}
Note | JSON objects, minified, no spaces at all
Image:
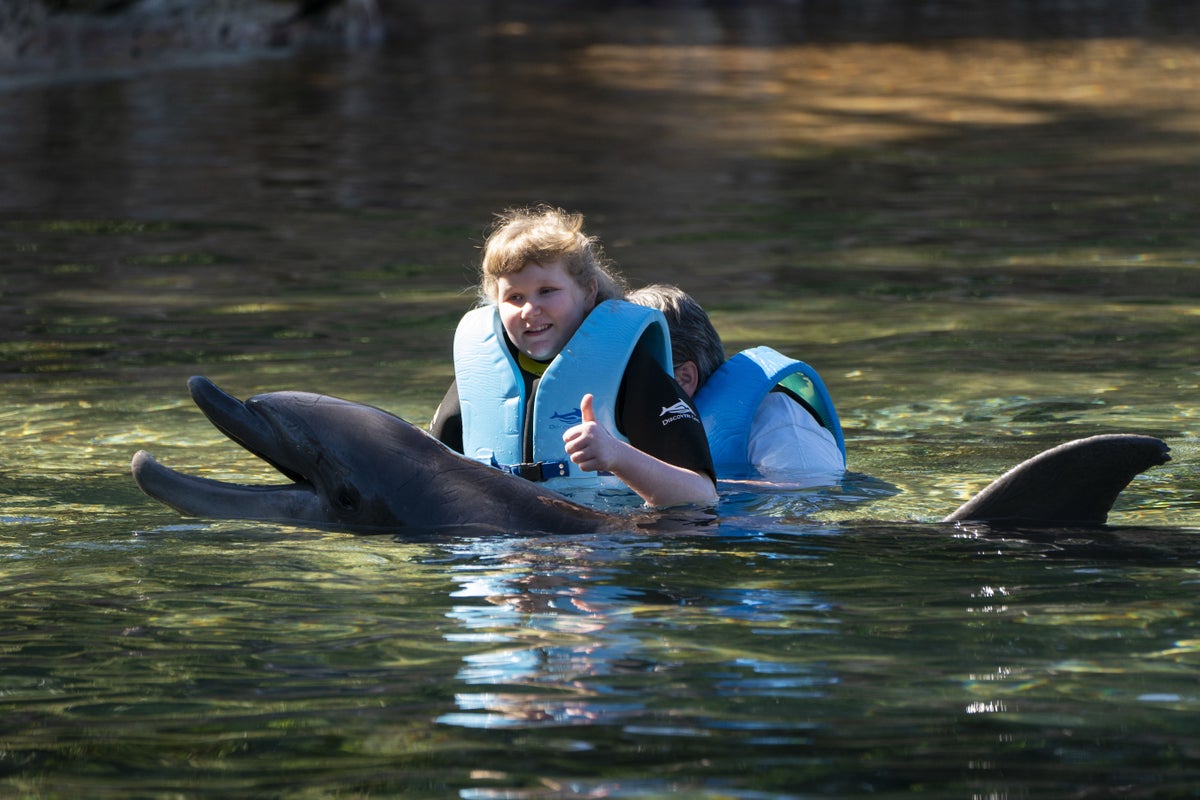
{"x":52,"y":35}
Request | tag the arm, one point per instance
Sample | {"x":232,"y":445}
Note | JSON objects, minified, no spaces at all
{"x":593,"y":448}
{"x":446,"y":425}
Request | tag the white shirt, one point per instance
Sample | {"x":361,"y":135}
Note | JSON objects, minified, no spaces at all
{"x":784,"y":438}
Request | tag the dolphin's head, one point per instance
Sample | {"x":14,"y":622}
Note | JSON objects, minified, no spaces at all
{"x":351,"y":467}
{"x":346,"y":463}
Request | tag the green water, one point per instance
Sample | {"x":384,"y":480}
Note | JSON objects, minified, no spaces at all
{"x":986,"y":248}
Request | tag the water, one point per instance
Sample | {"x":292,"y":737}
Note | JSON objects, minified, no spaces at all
{"x":986,"y":247}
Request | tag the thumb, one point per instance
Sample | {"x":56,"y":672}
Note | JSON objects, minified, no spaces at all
{"x":585,"y":408}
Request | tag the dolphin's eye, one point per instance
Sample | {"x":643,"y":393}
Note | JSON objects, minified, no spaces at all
{"x":347,"y":498}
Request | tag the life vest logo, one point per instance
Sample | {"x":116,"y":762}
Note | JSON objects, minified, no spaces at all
{"x":571,"y":418}
{"x":674,"y":413}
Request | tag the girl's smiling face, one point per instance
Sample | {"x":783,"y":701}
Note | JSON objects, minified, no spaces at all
{"x":541,"y":306}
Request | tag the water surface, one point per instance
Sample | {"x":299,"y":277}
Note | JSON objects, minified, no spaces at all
{"x":986,"y":247}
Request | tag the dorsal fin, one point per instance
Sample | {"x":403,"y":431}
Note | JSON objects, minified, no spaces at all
{"x":1075,"y":482}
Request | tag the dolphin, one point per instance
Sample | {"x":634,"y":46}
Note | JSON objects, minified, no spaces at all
{"x":357,"y":468}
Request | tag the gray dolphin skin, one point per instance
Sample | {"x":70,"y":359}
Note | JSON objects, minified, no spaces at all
{"x":356,"y":468}
{"x":1074,"y":482}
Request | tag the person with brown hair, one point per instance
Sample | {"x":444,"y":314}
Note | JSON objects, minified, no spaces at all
{"x":558,"y":379}
{"x":763,"y":412}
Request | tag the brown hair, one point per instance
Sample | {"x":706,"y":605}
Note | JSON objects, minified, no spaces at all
{"x":693,"y":337}
{"x":544,"y":234}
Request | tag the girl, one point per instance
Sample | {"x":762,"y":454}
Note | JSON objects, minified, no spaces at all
{"x":559,"y":379}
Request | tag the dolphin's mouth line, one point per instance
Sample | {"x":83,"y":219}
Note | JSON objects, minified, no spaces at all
{"x":246,"y":425}
{"x":257,"y":432}
{"x":298,"y":480}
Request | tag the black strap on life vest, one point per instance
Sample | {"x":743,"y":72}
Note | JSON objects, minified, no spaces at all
{"x":537,"y":471}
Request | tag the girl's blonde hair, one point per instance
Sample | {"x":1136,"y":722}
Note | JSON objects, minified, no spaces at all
{"x":544,"y":234}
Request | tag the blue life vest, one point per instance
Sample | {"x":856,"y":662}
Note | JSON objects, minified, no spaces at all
{"x":730,"y":397}
{"x":491,"y":390}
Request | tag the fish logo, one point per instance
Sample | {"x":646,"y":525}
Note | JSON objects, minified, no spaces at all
{"x":570,"y":418}
{"x":676,"y":412}
{"x":679,"y":408}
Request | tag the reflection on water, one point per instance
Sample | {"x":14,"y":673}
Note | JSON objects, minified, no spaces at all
{"x":808,"y":686}
{"x":984,"y":246}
